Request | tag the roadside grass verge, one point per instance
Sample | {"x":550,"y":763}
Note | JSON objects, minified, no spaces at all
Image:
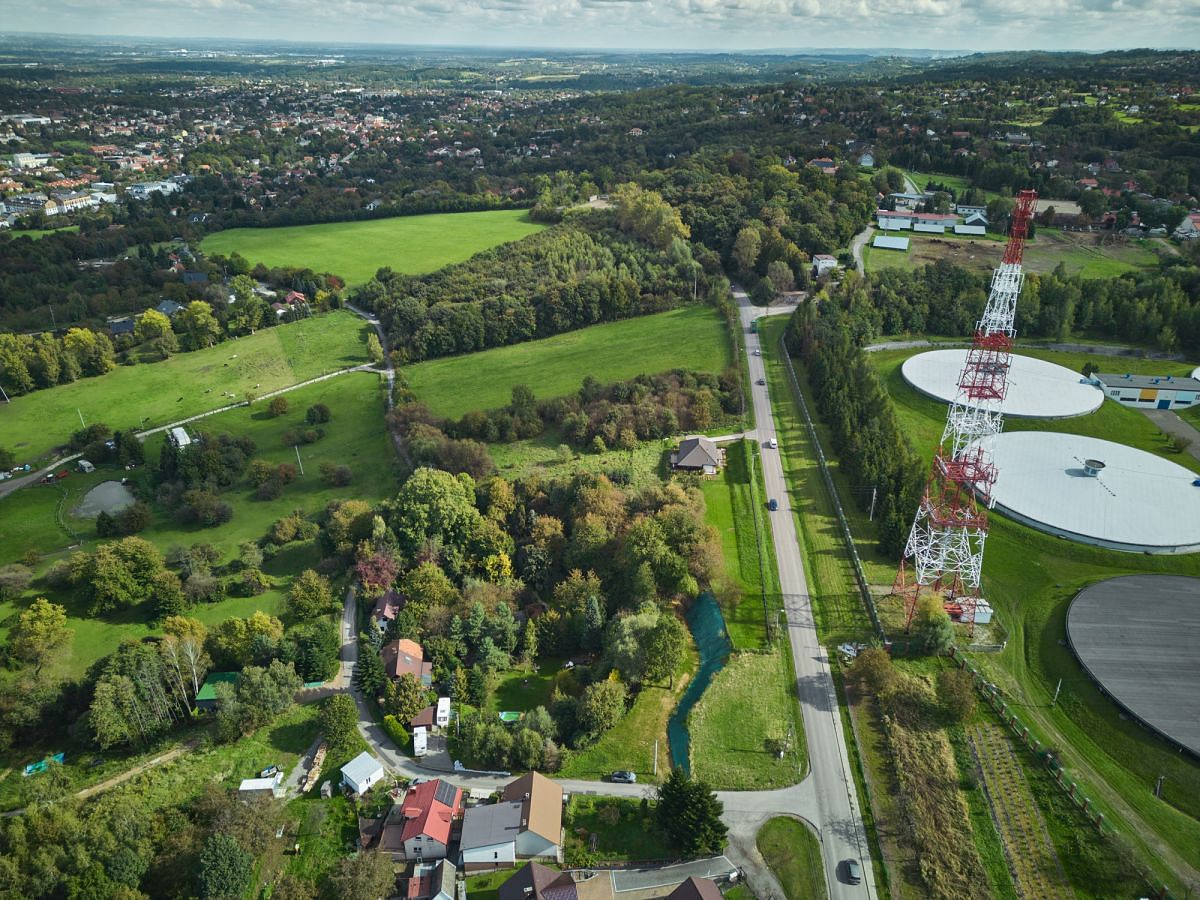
{"x":748,"y":704}
{"x":151,"y":394}
{"x":792,"y":852}
{"x":411,"y":245}
{"x":692,"y":337}
{"x":732,"y":508}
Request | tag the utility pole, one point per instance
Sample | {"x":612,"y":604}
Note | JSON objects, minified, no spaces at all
{"x":656,"y":757}
{"x":4,"y":394}
{"x":874,"y":492}
{"x":1054,"y":702}
{"x":1158,"y":786}
{"x":81,"y":422}
{"x":296,"y":447}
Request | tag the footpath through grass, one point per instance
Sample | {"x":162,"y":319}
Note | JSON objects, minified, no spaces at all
{"x":692,"y":337}
{"x":152,"y":394}
{"x":792,"y":852}
{"x":412,"y":245}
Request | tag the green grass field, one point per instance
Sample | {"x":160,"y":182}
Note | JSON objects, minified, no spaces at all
{"x":646,"y":464}
{"x":1078,"y":253}
{"x":412,"y":245}
{"x":747,"y":703}
{"x":692,"y":337}
{"x":791,"y":850}
{"x":732,"y":502}
{"x":152,"y":394}
{"x":354,"y":437}
{"x":38,"y":233}
{"x":521,"y":691}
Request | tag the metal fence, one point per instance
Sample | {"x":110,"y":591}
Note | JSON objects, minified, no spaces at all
{"x":1070,"y":787}
{"x":860,"y":575}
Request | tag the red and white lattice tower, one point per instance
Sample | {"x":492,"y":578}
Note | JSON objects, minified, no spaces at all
{"x":944,"y":553}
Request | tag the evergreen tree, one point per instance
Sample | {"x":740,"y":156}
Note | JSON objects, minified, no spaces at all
{"x":690,"y":813}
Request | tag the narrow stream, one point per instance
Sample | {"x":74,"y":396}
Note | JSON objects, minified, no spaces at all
{"x":708,"y":629}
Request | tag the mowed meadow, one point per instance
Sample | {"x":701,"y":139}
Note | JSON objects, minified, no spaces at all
{"x":693,"y":337}
{"x":152,"y":394}
{"x":354,"y":251}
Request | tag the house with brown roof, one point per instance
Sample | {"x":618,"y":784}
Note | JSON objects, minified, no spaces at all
{"x":419,"y":825}
{"x":386,"y":608}
{"x":696,"y":889}
{"x":403,"y":656}
{"x":537,"y":882}
{"x":541,"y":802}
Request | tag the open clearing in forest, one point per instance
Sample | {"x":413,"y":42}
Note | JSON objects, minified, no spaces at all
{"x":1080,"y":253}
{"x":354,"y":251}
{"x":151,"y":394}
{"x":692,"y":337}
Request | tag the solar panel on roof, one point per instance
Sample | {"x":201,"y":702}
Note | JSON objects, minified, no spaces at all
{"x":445,"y":793}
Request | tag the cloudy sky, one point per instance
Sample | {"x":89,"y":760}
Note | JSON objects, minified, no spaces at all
{"x":642,"y":24}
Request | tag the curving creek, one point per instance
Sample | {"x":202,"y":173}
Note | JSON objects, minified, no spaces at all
{"x":712,"y":640}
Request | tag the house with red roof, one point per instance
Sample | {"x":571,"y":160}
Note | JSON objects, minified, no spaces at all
{"x":403,"y":656}
{"x":386,"y":608}
{"x":418,"y":826}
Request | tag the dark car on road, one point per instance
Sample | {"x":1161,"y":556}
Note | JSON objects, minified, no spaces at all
{"x":853,"y":871}
{"x":772,"y":504}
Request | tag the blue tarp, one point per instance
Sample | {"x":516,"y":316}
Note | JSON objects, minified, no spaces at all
{"x":42,"y":764}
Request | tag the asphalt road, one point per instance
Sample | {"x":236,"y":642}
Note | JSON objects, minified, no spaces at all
{"x":836,"y":815}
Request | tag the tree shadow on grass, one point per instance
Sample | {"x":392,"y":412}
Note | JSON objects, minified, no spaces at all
{"x":292,"y":737}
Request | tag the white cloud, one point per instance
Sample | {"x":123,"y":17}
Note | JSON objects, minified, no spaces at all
{"x":666,"y":24}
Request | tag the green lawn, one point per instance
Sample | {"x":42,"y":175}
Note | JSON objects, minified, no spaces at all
{"x":692,"y":337}
{"x":747,"y":703}
{"x":521,"y":691}
{"x":38,"y":233}
{"x":487,"y":886}
{"x":791,"y":850}
{"x":623,"y":830}
{"x":152,"y":394}
{"x":732,"y":503}
{"x":412,"y":245}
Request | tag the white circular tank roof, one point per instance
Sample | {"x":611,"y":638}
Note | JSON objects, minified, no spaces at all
{"x":1036,"y":389}
{"x":1136,"y":501}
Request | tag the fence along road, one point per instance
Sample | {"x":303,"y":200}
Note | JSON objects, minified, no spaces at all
{"x":839,"y":820}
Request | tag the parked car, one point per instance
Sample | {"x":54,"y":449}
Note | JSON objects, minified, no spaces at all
{"x":773,"y":444}
{"x":853,"y":871}
{"x":623,"y":776}
{"x":772,"y":504}
{"x":761,"y":381}
{"x":269,"y":772}
{"x":757,"y":352}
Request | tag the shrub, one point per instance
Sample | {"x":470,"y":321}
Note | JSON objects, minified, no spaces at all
{"x":254,"y":582}
{"x":396,"y":732}
{"x":318,"y":414}
{"x":277,"y":407}
{"x":337,"y":476}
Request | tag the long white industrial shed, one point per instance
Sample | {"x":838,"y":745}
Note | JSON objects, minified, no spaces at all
{"x":885,"y":242}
